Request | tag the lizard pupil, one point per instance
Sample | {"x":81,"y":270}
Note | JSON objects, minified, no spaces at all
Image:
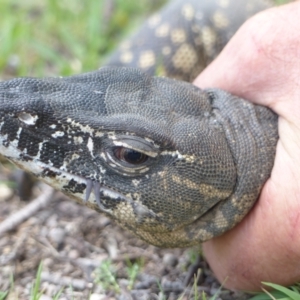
{"x":130,"y":156}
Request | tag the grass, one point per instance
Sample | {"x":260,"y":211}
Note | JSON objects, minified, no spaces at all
{"x":132,"y":271}
{"x":35,"y":294}
{"x":3,"y":295}
{"x":279,"y":292}
{"x":106,"y":275}
{"x":64,"y":37}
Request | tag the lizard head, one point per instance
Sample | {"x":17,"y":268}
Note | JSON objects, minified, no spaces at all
{"x":149,"y":152}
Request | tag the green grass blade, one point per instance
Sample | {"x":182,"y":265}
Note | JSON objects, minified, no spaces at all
{"x":35,"y":295}
{"x":288,"y":292}
{"x":3,"y":295}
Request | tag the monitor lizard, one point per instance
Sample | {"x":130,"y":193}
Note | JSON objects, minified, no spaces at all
{"x":174,"y":164}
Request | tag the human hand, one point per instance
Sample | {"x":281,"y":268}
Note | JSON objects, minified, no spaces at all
{"x":262,"y":64}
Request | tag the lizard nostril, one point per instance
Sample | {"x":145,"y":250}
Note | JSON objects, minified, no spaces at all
{"x":27,"y":118}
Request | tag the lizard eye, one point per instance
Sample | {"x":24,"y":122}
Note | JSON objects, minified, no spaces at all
{"x":129,"y":155}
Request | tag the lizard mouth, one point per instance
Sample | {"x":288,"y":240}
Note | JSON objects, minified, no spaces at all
{"x":92,"y":188}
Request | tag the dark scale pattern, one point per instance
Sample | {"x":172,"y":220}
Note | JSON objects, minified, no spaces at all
{"x":74,"y":187}
{"x":52,"y":154}
{"x":84,"y":167}
{"x":49,"y":173}
{"x":10,"y":128}
{"x":209,"y":153}
{"x":29,"y":142}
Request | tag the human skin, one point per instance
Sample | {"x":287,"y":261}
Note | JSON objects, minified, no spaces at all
{"x":262,"y":64}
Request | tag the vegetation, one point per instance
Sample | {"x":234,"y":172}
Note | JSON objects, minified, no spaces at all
{"x":64,"y":37}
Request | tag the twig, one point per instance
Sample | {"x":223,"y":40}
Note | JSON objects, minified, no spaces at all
{"x":78,"y":284}
{"x":25,"y":213}
{"x":5,"y":259}
{"x":45,"y":243}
